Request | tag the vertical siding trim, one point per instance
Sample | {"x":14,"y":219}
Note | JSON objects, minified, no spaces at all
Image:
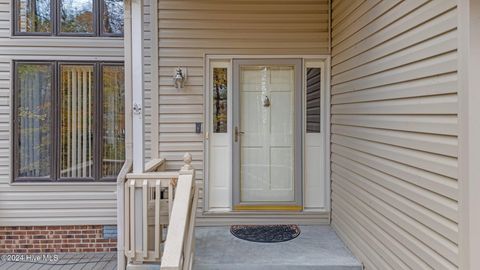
{"x":128,"y":80}
{"x":328,"y":126}
{"x":469,"y":132}
{"x":11,"y":140}
{"x":330,"y":33}
{"x":154,"y":80}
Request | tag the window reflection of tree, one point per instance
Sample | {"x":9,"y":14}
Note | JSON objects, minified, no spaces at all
{"x":33,"y":112}
{"x":113,"y":16}
{"x":77,"y":16}
{"x":34,"y":15}
{"x":220,"y":100}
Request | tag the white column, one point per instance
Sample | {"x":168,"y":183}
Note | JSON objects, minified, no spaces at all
{"x":138,"y":110}
{"x":121,"y":260}
{"x":137,"y":85}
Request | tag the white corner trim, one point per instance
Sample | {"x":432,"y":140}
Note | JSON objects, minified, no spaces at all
{"x":469,"y":133}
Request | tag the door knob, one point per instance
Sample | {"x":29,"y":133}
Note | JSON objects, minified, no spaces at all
{"x":237,"y":134}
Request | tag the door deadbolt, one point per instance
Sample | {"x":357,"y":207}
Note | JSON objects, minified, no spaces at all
{"x":266,"y":102}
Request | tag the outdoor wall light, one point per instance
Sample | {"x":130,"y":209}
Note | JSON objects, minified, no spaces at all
{"x":179,"y":78}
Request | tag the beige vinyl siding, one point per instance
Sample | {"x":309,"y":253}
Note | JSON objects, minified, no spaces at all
{"x":190,"y":29}
{"x":46,"y":203}
{"x":394,"y":132}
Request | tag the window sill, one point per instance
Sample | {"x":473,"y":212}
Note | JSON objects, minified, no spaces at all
{"x":65,"y":183}
{"x":93,"y":38}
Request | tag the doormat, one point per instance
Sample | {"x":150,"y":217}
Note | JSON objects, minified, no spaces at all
{"x":265,"y":233}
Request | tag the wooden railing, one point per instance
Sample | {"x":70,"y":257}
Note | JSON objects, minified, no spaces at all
{"x":156,"y":202}
{"x":180,"y":242}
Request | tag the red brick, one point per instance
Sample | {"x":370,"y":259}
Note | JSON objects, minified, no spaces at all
{"x":74,"y":240}
{"x":39,"y":239}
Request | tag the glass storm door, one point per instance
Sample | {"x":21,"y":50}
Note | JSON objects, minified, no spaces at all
{"x":267,"y":144}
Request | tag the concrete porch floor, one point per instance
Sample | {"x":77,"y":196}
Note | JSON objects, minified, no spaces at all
{"x":317,"y":247}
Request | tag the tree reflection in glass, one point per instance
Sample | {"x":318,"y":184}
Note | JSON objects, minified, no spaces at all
{"x":33,"y":112}
{"x":113,"y":150}
{"x":34,"y":16}
{"x":220,"y":100}
{"x":76,"y":16}
{"x":113,"y":17}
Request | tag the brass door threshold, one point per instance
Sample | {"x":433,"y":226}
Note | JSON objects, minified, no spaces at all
{"x":264,"y":207}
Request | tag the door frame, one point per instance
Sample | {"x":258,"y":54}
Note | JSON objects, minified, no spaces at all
{"x":297,"y":203}
{"x":224,"y":211}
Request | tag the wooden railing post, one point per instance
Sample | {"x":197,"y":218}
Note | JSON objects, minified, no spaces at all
{"x":122,"y":241}
{"x":180,"y":237}
{"x":187,"y":168}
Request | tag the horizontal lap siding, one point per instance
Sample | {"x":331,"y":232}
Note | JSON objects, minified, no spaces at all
{"x":46,"y":204}
{"x":190,"y":29}
{"x":394,"y":132}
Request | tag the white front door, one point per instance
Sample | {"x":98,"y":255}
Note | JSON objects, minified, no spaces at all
{"x":267,"y":146}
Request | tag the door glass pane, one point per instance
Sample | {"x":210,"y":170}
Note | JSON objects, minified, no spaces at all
{"x":220,"y":100}
{"x":76,"y":16}
{"x":313,"y":100}
{"x":113,"y":16}
{"x":33,"y":117}
{"x":76,"y":125}
{"x":267,"y":133}
{"x":33,"y":16}
{"x":113,"y":155}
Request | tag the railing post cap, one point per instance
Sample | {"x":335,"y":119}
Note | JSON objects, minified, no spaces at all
{"x":187,"y":160}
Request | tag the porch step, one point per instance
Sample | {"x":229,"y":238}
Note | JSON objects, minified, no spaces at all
{"x":317,"y":247}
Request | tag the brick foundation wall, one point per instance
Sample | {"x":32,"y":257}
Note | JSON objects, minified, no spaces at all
{"x":44,"y":239}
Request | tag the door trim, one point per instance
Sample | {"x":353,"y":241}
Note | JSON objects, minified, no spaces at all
{"x":217,"y":210}
{"x":297,"y":203}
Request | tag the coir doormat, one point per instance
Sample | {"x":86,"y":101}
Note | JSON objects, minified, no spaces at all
{"x":265,"y":233}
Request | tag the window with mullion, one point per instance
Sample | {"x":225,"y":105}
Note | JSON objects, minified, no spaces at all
{"x":77,"y":131}
{"x":33,"y":119}
{"x":72,"y":129}
{"x":69,"y":17}
{"x":113,"y":120}
{"x":77,"y":17}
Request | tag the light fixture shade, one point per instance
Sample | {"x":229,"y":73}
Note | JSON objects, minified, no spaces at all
{"x":179,"y":78}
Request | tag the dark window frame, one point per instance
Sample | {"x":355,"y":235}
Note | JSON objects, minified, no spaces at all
{"x":55,"y":22}
{"x":57,"y":18}
{"x":101,"y":33}
{"x":15,"y":126}
{"x":101,"y":111}
{"x":15,"y":20}
{"x":55,"y":146}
